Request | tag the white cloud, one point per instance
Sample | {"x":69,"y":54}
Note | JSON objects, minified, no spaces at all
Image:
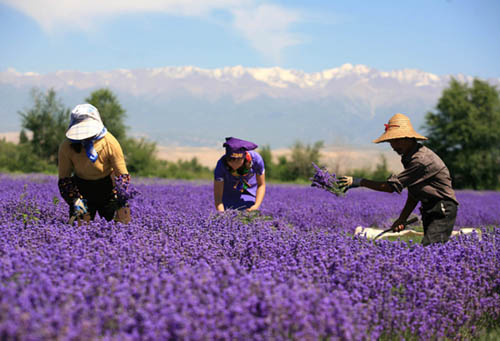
{"x":265,"y":26}
{"x":52,"y":14}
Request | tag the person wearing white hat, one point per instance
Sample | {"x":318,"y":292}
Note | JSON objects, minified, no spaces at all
{"x":426,"y":177}
{"x":91,"y":164}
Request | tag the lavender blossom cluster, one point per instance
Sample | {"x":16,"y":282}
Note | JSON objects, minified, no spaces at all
{"x":124,"y":190}
{"x":326,"y":181}
{"x":181,"y":271}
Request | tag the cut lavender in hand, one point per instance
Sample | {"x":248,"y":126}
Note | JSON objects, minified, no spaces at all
{"x":324,"y":180}
{"x":124,"y":191}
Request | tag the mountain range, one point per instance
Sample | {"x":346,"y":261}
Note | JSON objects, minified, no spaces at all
{"x":191,"y":106}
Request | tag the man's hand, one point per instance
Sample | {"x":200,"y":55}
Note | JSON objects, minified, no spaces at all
{"x":398,"y":225}
{"x":346,"y":182}
{"x":79,"y":207}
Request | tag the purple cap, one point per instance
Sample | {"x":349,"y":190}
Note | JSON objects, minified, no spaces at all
{"x":236,"y":148}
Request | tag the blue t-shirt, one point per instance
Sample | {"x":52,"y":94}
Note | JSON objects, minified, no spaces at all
{"x":239,"y":191}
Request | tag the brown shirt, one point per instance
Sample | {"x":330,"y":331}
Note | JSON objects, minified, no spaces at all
{"x":425,"y":175}
{"x":110,"y":159}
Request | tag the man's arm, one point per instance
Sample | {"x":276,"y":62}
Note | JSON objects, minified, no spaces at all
{"x":381,"y":186}
{"x":410,"y":205}
{"x":351,"y":182}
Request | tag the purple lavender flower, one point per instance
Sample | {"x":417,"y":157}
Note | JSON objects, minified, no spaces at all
{"x":324,"y":180}
{"x":178,"y":271}
{"x":124,"y":191}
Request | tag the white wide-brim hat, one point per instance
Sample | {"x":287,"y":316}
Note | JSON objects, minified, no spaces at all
{"x":85,"y":122}
{"x":399,"y":126}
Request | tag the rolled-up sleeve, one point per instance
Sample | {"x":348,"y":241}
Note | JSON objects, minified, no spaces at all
{"x":64,"y":163}
{"x":258,"y":164}
{"x":414,"y":174}
{"x":118,"y":160}
{"x":219,"y":171}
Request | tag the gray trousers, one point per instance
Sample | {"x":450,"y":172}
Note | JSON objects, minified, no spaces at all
{"x":438,"y":219}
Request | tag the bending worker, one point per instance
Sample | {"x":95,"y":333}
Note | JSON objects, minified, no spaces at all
{"x":426,"y":177}
{"x":91,"y":164}
{"x":239,"y":180}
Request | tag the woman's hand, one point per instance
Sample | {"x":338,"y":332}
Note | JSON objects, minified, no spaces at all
{"x":122,"y":215}
{"x":253,"y":208}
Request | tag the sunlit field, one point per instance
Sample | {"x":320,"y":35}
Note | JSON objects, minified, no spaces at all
{"x":293,"y":272}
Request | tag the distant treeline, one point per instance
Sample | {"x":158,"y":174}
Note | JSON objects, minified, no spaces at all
{"x":47,"y":121}
{"x":464,"y":132}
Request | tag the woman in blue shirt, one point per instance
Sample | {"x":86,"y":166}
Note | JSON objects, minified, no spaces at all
{"x":239,"y":180}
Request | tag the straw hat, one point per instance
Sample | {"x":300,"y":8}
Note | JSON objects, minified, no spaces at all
{"x":85,"y":122}
{"x":399,"y":126}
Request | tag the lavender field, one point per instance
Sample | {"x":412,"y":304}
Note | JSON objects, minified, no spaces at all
{"x":296,"y":272}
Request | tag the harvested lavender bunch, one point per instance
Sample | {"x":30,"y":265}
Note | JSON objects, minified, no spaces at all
{"x":124,"y":191}
{"x":324,"y":180}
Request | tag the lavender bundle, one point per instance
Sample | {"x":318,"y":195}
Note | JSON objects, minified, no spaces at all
{"x":124,"y":191}
{"x":324,"y":180}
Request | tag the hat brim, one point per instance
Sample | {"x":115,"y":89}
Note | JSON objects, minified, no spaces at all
{"x":392,"y":135}
{"x":85,"y":129}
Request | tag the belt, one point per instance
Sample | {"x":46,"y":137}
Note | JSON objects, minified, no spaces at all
{"x":430,"y":202}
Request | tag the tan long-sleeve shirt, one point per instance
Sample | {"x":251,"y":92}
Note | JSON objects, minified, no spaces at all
{"x":110,"y":160}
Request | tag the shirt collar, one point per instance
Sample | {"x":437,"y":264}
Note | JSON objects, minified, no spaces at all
{"x":407,"y":157}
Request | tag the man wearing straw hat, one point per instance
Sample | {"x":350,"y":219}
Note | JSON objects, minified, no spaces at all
{"x":426,"y":177}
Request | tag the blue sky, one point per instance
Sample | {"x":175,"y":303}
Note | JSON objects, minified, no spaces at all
{"x":437,"y":36}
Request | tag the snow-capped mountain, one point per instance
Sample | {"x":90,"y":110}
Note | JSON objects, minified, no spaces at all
{"x":192,"y":106}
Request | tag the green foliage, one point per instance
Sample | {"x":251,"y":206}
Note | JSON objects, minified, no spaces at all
{"x":181,"y":169}
{"x":21,"y":158}
{"x":464,"y":132}
{"x":23,"y":138}
{"x":142,"y":161}
{"x":140,"y":156}
{"x":25,"y":209}
{"x":298,"y":166}
{"x":301,"y":159}
{"x":111,"y":111}
{"x":380,"y":173}
{"x":267,"y":156}
{"x":252,"y":217}
{"x":48,"y":121}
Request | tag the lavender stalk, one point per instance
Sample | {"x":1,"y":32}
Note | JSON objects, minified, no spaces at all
{"x":326,"y":181}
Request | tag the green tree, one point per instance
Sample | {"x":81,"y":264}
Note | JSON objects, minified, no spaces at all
{"x":267,"y":157}
{"x":20,"y":158}
{"x":140,"y":156}
{"x":183,"y":170}
{"x":48,"y":121}
{"x":23,"y":137}
{"x":112,"y":113}
{"x":464,"y":132}
{"x":300,"y":164}
{"x":380,"y":173}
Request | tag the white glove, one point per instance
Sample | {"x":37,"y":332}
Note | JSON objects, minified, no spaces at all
{"x":80,"y":207}
{"x":349,"y":182}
